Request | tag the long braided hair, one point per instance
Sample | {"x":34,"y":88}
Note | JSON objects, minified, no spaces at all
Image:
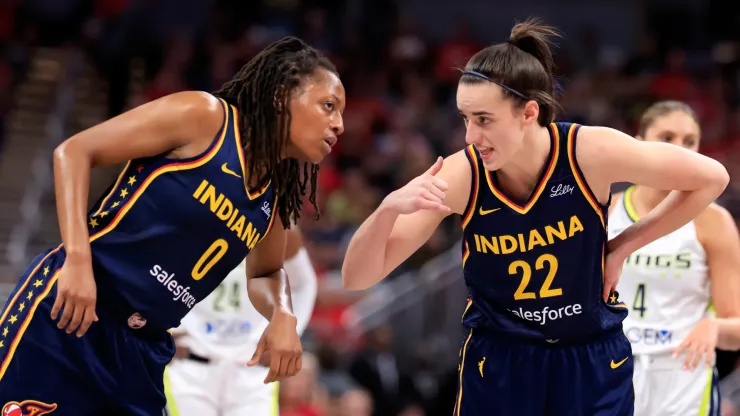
{"x":261,"y":91}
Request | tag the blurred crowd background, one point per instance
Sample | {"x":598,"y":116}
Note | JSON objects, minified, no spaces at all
{"x":69,"y":64}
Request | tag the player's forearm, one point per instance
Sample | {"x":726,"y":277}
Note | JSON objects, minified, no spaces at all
{"x":675,"y":211}
{"x":270,"y":295}
{"x":303,"y":287}
{"x":71,"y":182}
{"x":364,"y":262}
{"x":729,"y":334}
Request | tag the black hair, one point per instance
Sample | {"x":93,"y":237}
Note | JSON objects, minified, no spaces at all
{"x":261,"y":91}
{"x":663,"y":108}
{"x":524,"y":64}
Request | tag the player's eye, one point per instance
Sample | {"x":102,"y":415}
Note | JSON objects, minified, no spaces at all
{"x":483,"y":121}
{"x":329,"y":106}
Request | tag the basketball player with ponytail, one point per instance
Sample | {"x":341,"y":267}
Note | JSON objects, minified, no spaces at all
{"x":545,"y":324}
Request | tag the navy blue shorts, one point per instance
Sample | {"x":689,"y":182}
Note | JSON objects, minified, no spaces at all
{"x":503,"y":376}
{"x":112,"y":370}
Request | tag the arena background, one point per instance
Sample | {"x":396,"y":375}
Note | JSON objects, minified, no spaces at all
{"x":69,"y":64}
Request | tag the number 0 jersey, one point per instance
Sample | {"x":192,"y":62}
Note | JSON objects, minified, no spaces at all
{"x":170,"y":230}
{"x":534,"y":269}
{"x":665,"y":284}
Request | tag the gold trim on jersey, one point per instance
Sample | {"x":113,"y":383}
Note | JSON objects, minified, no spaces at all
{"x":170,"y":167}
{"x":628,"y":206}
{"x":467,"y":306}
{"x":466,"y":254}
{"x":580,"y":181}
{"x":34,"y":296}
{"x":470,"y":209}
{"x":113,"y":190}
{"x":252,"y":194}
{"x":462,"y":367}
{"x":554,"y":155}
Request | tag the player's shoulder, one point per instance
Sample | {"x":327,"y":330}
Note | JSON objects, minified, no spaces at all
{"x":714,"y":217}
{"x":198,"y":104}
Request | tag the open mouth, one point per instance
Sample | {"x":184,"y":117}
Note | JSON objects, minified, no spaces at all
{"x":485,"y":151}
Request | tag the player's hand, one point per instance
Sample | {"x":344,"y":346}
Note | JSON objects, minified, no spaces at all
{"x":423,"y":192}
{"x":612,"y":272}
{"x":701,"y":341}
{"x":281,"y":341}
{"x":76,"y":296}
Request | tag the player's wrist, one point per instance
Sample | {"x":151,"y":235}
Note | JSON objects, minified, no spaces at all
{"x":283,"y":314}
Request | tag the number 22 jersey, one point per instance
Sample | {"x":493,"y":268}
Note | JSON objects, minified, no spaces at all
{"x":534,"y":268}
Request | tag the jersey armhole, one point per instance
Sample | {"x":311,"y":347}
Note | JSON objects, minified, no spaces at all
{"x":472,"y":157}
{"x":602,"y":210}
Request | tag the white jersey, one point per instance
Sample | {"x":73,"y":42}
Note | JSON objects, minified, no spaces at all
{"x":665,"y":285}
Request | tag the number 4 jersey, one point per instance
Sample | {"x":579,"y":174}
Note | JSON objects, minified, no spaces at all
{"x":665,"y":284}
{"x":534,"y":269}
{"x":170,"y":230}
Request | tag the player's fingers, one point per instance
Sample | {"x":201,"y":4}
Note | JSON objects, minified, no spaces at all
{"x":696,"y":357}
{"x":438,"y":193}
{"x":299,"y":363}
{"x":291,"y":369}
{"x":67,"y":311}
{"x":430,"y":196}
{"x":76,"y":319}
{"x":709,"y":356}
{"x":285,"y":366}
{"x":431,"y":205}
{"x":607,"y":289}
{"x":58,"y":303}
{"x":87,"y":320}
{"x":680,"y":349}
{"x":436,"y":166}
{"x":440,"y":184}
{"x":257,"y":353}
{"x":274,"y":367}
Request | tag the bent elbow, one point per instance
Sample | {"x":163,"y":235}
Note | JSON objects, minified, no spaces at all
{"x":353,"y":281}
{"x":721,"y":177}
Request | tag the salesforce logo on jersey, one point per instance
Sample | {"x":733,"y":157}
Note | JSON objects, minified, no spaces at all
{"x":649,"y":336}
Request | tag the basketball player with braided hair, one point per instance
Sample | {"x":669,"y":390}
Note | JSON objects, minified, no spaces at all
{"x":544,"y":322}
{"x":209,"y":180}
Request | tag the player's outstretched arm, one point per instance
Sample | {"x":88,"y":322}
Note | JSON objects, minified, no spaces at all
{"x":180,"y":125}
{"x":719,"y":237}
{"x":269,"y":292}
{"x":405,"y":220}
{"x":607,"y":156}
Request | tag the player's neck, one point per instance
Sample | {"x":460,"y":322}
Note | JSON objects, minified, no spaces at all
{"x":647,"y":198}
{"x":527,"y":164}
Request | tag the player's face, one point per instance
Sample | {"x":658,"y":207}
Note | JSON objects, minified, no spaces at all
{"x":494,"y":123}
{"x":316,"y":109}
{"x":676,"y":128}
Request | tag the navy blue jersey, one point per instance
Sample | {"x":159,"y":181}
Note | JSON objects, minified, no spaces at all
{"x":534,"y":269}
{"x":170,"y":230}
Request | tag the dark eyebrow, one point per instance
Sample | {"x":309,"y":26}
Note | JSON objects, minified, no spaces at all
{"x":476,"y":113}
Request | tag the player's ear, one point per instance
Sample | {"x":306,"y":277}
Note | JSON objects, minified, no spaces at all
{"x":531,"y":112}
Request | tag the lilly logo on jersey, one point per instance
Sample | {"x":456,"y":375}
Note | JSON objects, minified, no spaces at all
{"x":561,"y":190}
{"x":181,"y":293}
{"x":649,"y":336}
{"x":547,"y":314}
{"x":266,"y":208}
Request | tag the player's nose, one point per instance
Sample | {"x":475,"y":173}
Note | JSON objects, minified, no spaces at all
{"x":337,"y":124}
{"x":473,"y":135}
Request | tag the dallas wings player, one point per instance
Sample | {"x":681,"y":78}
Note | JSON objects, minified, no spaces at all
{"x":666,"y":285}
{"x":218,"y":337}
